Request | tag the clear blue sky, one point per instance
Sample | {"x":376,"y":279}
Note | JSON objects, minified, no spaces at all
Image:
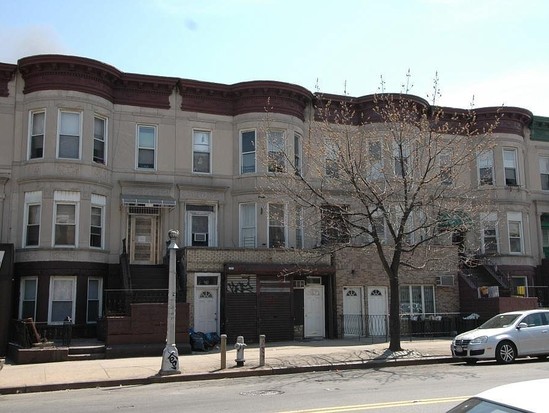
{"x":496,"y":50}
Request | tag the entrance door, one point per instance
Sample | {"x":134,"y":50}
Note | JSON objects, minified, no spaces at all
{"x":353,"y":324}
{"x":377,"y":311}
{"x":143,"y":239}
{"x":206,"y":303}
{"x":314,"y":311}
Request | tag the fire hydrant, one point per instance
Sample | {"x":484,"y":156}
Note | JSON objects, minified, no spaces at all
{"x":239,"y":346}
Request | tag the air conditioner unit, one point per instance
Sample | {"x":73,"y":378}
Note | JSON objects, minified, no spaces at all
{"x":200,"y":236}
{"x":445,"y":280}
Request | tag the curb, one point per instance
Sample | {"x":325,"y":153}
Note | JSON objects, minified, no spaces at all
{"x":215,"y":375}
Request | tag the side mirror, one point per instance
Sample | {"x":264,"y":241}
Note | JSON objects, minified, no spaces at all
{"x":522,"y":325}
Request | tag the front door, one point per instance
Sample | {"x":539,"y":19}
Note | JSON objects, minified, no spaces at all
{"x":143,"y":244}
{"x":377,"y":311}
{"x":206,"y":303}
{"x":353,"y":324}
{"x":314,"y":311}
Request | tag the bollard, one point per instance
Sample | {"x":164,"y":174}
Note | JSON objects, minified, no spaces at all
{"x":239,"y":346}
{"x":223,"y":351}
{"x":262,"y":350}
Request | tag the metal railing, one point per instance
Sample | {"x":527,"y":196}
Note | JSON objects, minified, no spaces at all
{"x":26,"y":332}
{"x":118,"y":302}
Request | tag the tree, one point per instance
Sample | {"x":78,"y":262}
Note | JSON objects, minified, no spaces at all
{"x":388,"y":175}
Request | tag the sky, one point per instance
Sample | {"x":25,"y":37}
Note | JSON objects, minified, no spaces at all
{"x":483,"y":52}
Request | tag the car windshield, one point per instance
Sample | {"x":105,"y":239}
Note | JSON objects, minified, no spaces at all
{"x":499,"y":321}
{"x":475,"y":405}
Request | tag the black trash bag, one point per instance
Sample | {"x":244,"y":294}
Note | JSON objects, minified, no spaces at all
{"x":197,"y":341}
{"x":212,"y":339}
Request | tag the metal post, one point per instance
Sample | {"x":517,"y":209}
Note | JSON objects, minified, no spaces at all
{"x":262,"y":350}
{"x":223,"y":351}
{"x":170,"y":356}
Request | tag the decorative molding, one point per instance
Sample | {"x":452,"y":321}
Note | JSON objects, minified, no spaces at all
{"x":7,"y":71}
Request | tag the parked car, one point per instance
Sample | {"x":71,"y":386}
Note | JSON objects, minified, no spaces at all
{"x":521,"y":397}
{"x":505,"y":337}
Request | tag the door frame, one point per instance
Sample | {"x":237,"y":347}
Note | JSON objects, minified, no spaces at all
{"x":199,"y":288}
{"x":360,"y":288}
{"x":323,"y":310}
{"x":155,"y":237}
{"x":385,"y":291}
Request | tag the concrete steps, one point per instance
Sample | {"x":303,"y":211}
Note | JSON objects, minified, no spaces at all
{"x":92,"y":352}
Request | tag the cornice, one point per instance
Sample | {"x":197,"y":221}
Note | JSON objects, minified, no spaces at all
{"x":245,"y":97}
{"x":58,"y":72}
{"x":7,"y":71}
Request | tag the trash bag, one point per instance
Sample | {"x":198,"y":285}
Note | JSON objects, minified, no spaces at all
{"x":211,"y":339}
{"x":197,"y":341}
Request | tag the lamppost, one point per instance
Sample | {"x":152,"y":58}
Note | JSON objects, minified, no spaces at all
{"x":170,"y":356}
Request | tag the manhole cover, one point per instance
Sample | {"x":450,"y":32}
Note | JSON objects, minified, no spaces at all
{"x":261,"y":393}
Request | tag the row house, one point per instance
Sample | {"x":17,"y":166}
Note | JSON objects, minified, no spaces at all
{"x":98,"y":165}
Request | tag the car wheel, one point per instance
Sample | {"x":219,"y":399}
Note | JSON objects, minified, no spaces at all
{"x":471,"y":361}
{"x":506,"y":352}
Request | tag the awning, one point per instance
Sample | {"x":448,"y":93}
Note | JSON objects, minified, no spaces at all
{"x":148,"y":201}
{"x":454,"y":220}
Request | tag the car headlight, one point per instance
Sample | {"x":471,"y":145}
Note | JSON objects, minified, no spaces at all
{"x":479,"y":340}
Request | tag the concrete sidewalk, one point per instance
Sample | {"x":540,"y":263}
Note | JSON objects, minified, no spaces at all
{"x":280,"y":358}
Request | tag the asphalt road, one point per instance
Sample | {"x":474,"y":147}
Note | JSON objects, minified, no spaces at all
{"x":425,"y":389}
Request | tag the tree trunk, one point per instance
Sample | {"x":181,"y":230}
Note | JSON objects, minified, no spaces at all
{"x":394,"y":314}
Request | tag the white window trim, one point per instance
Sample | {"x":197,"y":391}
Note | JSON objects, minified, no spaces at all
{"x":298,"y":153}
{"x":541,"y":165}
{"x":212,"y":224}
{"x":423,"y":287}
{"x":100,"y":298}
{"x":105,"y":138}
{"x":99,"y":201}
{"x":281,"y":150}
{"x":488,"y":154}
{"x":31,"y":124}
{"x":240,"y":226}
{"x":285,"y":210}
{"x":66,"y":198}
{"x":22,"y":295}
{"x":515,"y":217}
{"x":79,"y":113}
{"x":210,"y":146}
{"x":137,"y":147}
{"x":50,"y":298}
{"x":299,"y":227}
{"x":516,"y":166}
{"x":242,"y":152}
{"x":493,"y":219}
{"x":31,"y":199}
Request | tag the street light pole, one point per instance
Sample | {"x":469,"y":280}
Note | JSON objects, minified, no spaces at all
{"x":170,"y":356}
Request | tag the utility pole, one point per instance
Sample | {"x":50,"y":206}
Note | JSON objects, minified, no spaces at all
{"x":170,"y":356}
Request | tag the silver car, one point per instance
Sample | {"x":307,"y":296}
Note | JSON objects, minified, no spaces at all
{"x":505,"y":337}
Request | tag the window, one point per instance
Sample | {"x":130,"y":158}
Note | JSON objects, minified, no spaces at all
{"x":98,"y":203}
{"x":277,"y":225}
{"x":61,"y":302}
{"x":333,"y":226}
{"x":69,"y":135}
{"x":332,"y":156}
{"x":298,"y":154}
{"x":489,"y":234}
{"x":417,"y":299}
{"x":544,"y":172}
{"x":248,"y":225}
{"x":36,"y":139}
{"x":299,"y":227}
{"x":66,"y":218}
{"x":445,"y":160}
{"x":95,"y":292}
{"x":31,"y":236}
{"x":376,"y":160}
{"x":247,"y":147}
{"x":146,"y":146}
{"x":510,"y":166}
{"x":27,"y":301}
{"x":201,"y":221}
{"x":201,"y":151}
{"x":485,"y":163}
{"x":401,"y":155}
{"x":99,"y":139}
{"x":514,"y":224}
{"x":378,"y":222}
{"x":275,"y":148}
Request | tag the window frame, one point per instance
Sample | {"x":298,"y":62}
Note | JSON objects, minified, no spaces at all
{"x":99,"y":202}
{"x":401,"y":158}
{"x":53,"y":279}
{"x":331,"y":166}
{"x":491,"y":218}
{"x":544,"y":172}
{"x":32,"y":135}
{"x":485,"y":161}
{"x":32,"y":199}
{"x":60,"y":135}
{"x":299,"y":230}
{"x":209,"y":145}
{"x":284,"y":226}
{"x":298,"y":154}
{"x":22,"y":294}
{"x":507,"y":167}
{"x":515,"y":217}
{"x":333,"y":227}
{"x":242,"y":227}
{"x":376,"y":159}
{"x":102,"y":142}
{"x":99,"y":299}
{"x":276,"y":161}
{"x":445,"y":165}
{"x":71,"y":199}
{"x":411,"y":302}
{"x":140,"y":147}
{"x":201,"y":210}
{"x":245,"y":153}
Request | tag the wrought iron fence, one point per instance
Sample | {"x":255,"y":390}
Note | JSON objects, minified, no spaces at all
{"x":27,"y":332}
{"x":425,"y":325}
{"x":117,"y":302}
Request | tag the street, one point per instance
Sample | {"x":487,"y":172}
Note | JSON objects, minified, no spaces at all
{"x":425,"y":389}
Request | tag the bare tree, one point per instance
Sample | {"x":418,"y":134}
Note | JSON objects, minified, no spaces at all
{"x":388,"y":175}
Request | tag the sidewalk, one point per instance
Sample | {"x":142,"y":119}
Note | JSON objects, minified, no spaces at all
{"x":280,"y":358}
